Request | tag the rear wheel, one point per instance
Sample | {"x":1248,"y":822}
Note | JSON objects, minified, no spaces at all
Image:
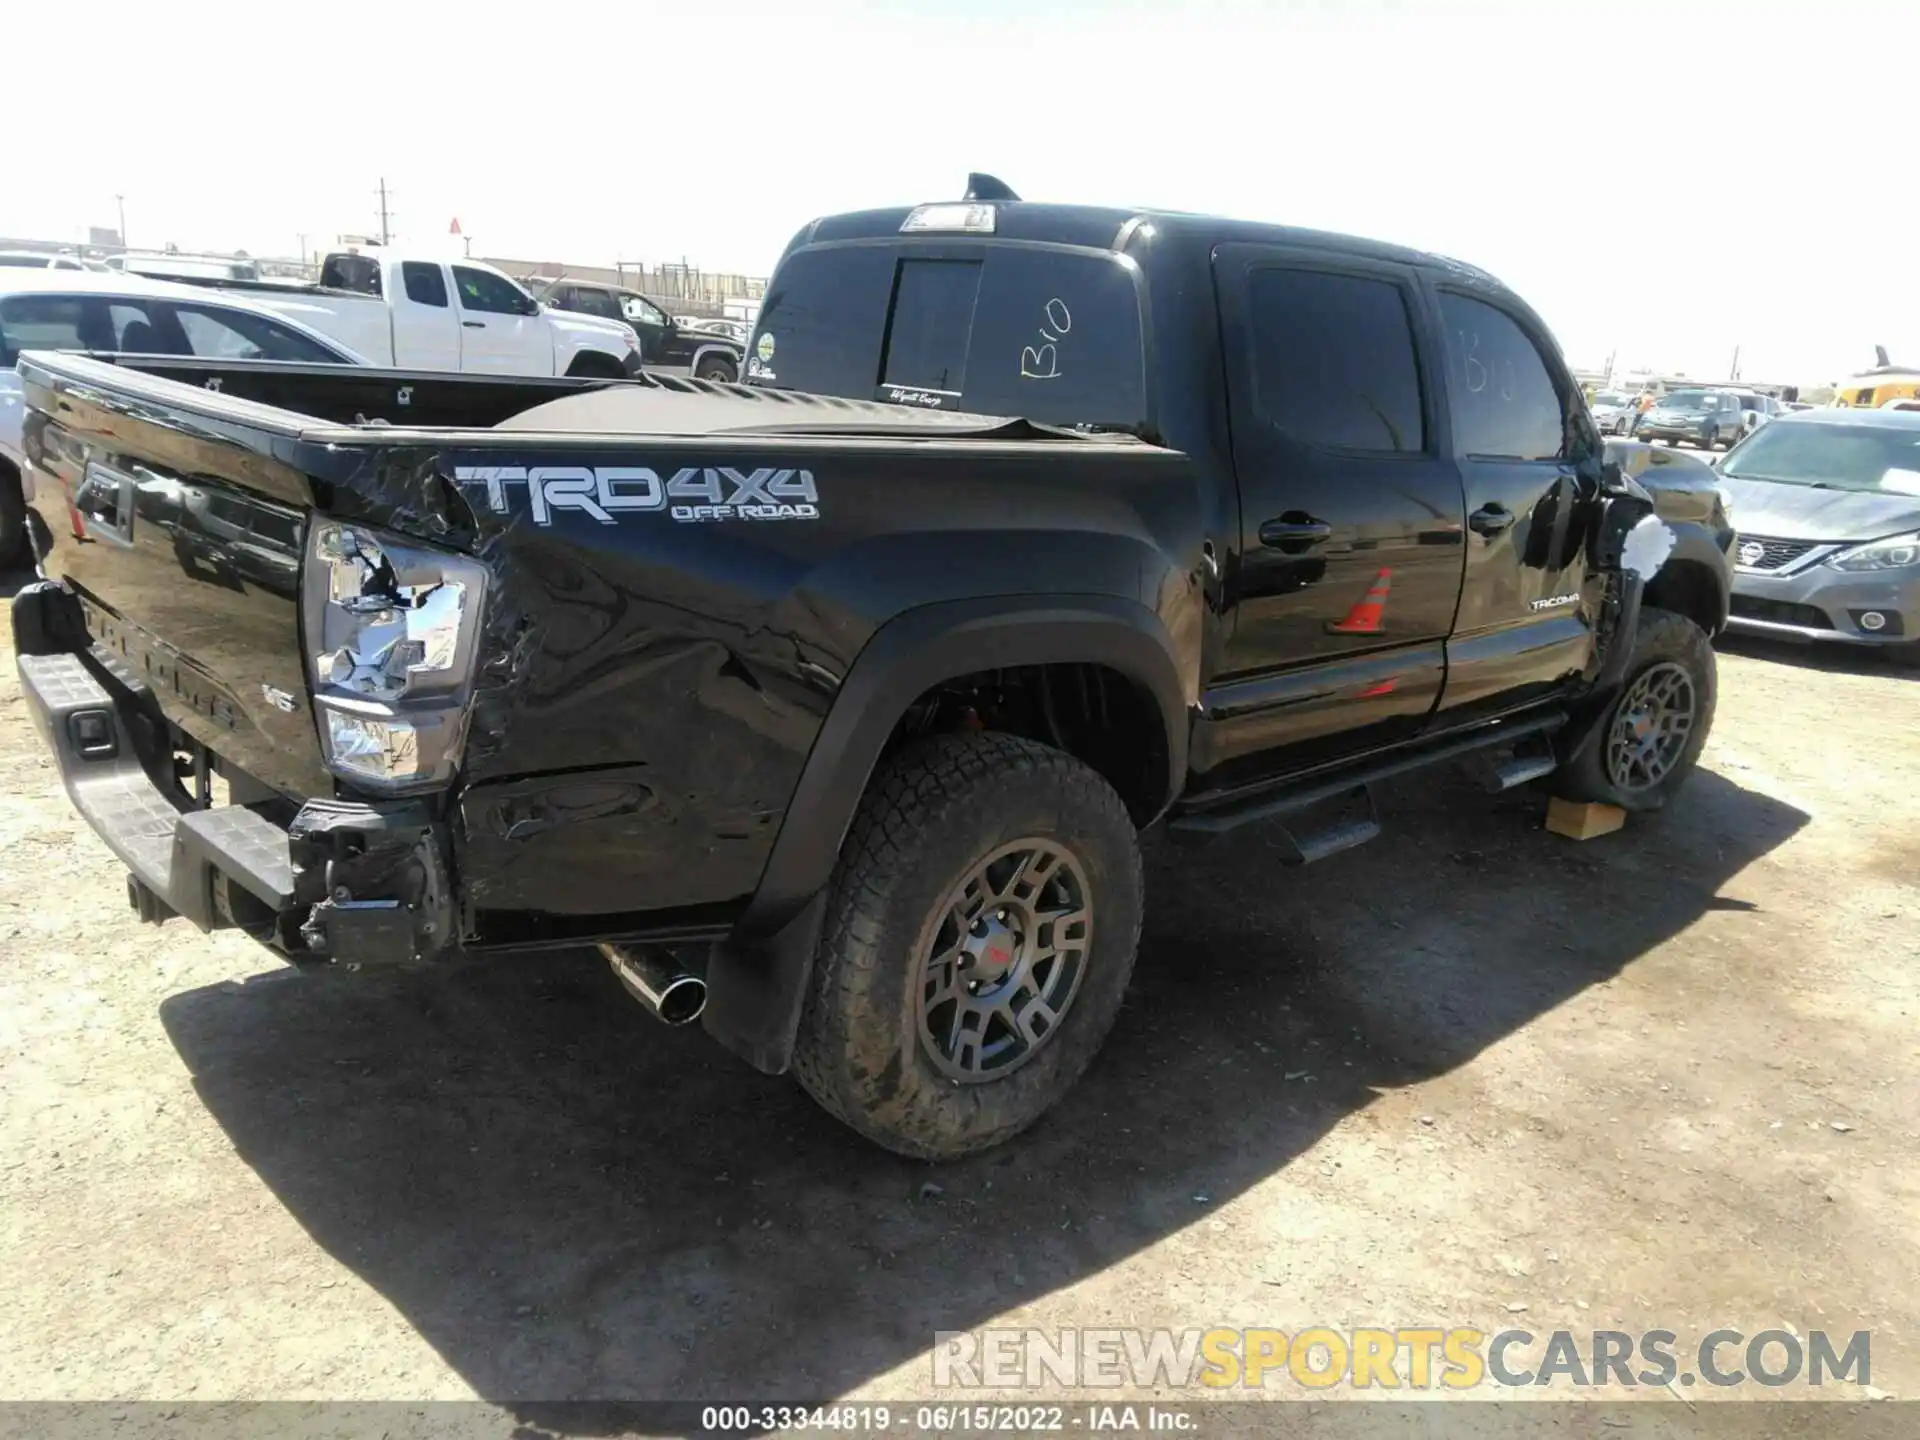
{"x":982,"y":926}
{"x":1652,"y":735}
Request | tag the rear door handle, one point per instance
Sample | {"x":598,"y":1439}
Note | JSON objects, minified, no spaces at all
{"x":474,"y":324}
{"x":1490,"y":519}
{"x":1294,"y":531}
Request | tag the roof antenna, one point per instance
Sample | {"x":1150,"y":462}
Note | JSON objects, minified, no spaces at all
{"x":982,"y":186}
{"x":1880,"y":351}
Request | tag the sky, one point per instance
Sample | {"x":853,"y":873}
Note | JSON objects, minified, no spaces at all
{"x":1663,"y":183}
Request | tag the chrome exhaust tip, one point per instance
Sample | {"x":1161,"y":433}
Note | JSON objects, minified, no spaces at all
{"x":671,"y":995}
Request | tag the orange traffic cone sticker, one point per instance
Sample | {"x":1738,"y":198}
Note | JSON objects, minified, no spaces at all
{"x":1366,"y":617}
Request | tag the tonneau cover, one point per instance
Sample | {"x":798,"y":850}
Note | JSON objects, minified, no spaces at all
{"x":691,"y":407}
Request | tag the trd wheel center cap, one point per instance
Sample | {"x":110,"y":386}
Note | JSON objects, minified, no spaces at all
{"x":991,"y":950}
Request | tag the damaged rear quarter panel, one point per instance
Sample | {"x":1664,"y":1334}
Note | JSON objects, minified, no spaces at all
{"x":649,"y":688}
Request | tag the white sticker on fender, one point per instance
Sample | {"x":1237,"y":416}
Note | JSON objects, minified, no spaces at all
{"x":1648,"y":545}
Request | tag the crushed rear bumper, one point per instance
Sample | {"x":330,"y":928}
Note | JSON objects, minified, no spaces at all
{"x":342,"y":880}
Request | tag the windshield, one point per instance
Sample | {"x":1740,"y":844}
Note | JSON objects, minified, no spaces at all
{"x":1693,"y":402}
{"x":1874,"y":458}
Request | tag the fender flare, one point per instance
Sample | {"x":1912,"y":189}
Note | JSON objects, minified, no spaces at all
{"x":585,"y":350}
{"x":757,"y":977}
{"x":1698,"y":545}
{"x":734,"y":358}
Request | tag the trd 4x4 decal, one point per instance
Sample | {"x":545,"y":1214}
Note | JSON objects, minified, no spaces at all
{"x":607,"y":491}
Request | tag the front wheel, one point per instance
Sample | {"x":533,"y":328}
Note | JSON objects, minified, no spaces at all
{"x":714,"y":368}
{"x":1655,"y":729}
{"x":981,"y":929}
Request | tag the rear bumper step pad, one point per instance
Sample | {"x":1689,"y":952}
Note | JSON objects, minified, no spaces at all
{"x":176,"y":853}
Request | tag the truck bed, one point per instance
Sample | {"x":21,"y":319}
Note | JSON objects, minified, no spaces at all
{"x":312,"y":398}
{"x":680,"y":575}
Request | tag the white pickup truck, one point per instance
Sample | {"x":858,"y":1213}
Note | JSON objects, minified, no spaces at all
{"x":414,"y":312}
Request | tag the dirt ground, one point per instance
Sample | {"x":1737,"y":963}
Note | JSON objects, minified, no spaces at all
{"x":1470,"y":1074}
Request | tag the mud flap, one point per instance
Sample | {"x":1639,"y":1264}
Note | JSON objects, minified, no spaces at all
{"x":757,"y":988}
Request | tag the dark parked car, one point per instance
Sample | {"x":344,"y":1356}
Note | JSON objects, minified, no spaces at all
{"x":1707,"y":418}
{"x":663,"y":343}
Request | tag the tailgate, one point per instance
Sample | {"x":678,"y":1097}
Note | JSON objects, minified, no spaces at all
{"x":180,"y":526}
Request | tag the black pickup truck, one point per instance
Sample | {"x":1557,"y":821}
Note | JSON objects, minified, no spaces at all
{"x":833,"y":721}
{"x":663,"y":344}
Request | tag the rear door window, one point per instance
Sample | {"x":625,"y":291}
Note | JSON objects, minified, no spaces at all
{"x":1333,"y":360}
{"x":221,"y":334}
{"x":425,"y":282}
{"x":589,"y":301}
{"x":999,"y":329}
{"x":140,"y":330}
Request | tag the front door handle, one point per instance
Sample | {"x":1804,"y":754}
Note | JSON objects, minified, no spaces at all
{"x":473,"y":324}
{"x":1490,"y":519}
{"x":1294,"y":531}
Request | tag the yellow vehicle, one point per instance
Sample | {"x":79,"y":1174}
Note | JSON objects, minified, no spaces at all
{"x":1871,"y":389}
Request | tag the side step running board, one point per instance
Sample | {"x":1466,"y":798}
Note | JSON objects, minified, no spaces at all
{"x":1497,"y":771}
{"x":1341,"y":831}
{"x":1320,"y":828}
{"x":1529,"y":759}
{"x":1517,"y":770}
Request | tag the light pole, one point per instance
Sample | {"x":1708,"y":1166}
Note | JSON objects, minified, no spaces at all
{"x":121,"y":201}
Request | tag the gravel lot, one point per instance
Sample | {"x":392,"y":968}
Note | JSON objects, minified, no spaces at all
{"x":1471,"y":1075}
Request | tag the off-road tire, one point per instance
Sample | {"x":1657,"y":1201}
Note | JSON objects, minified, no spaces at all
{"x":1662,"y":636}
{"x":929,"y":814}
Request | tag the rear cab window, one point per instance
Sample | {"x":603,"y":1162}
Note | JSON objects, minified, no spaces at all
{"x":1049,"y":333}
{"x":346,"y":271}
